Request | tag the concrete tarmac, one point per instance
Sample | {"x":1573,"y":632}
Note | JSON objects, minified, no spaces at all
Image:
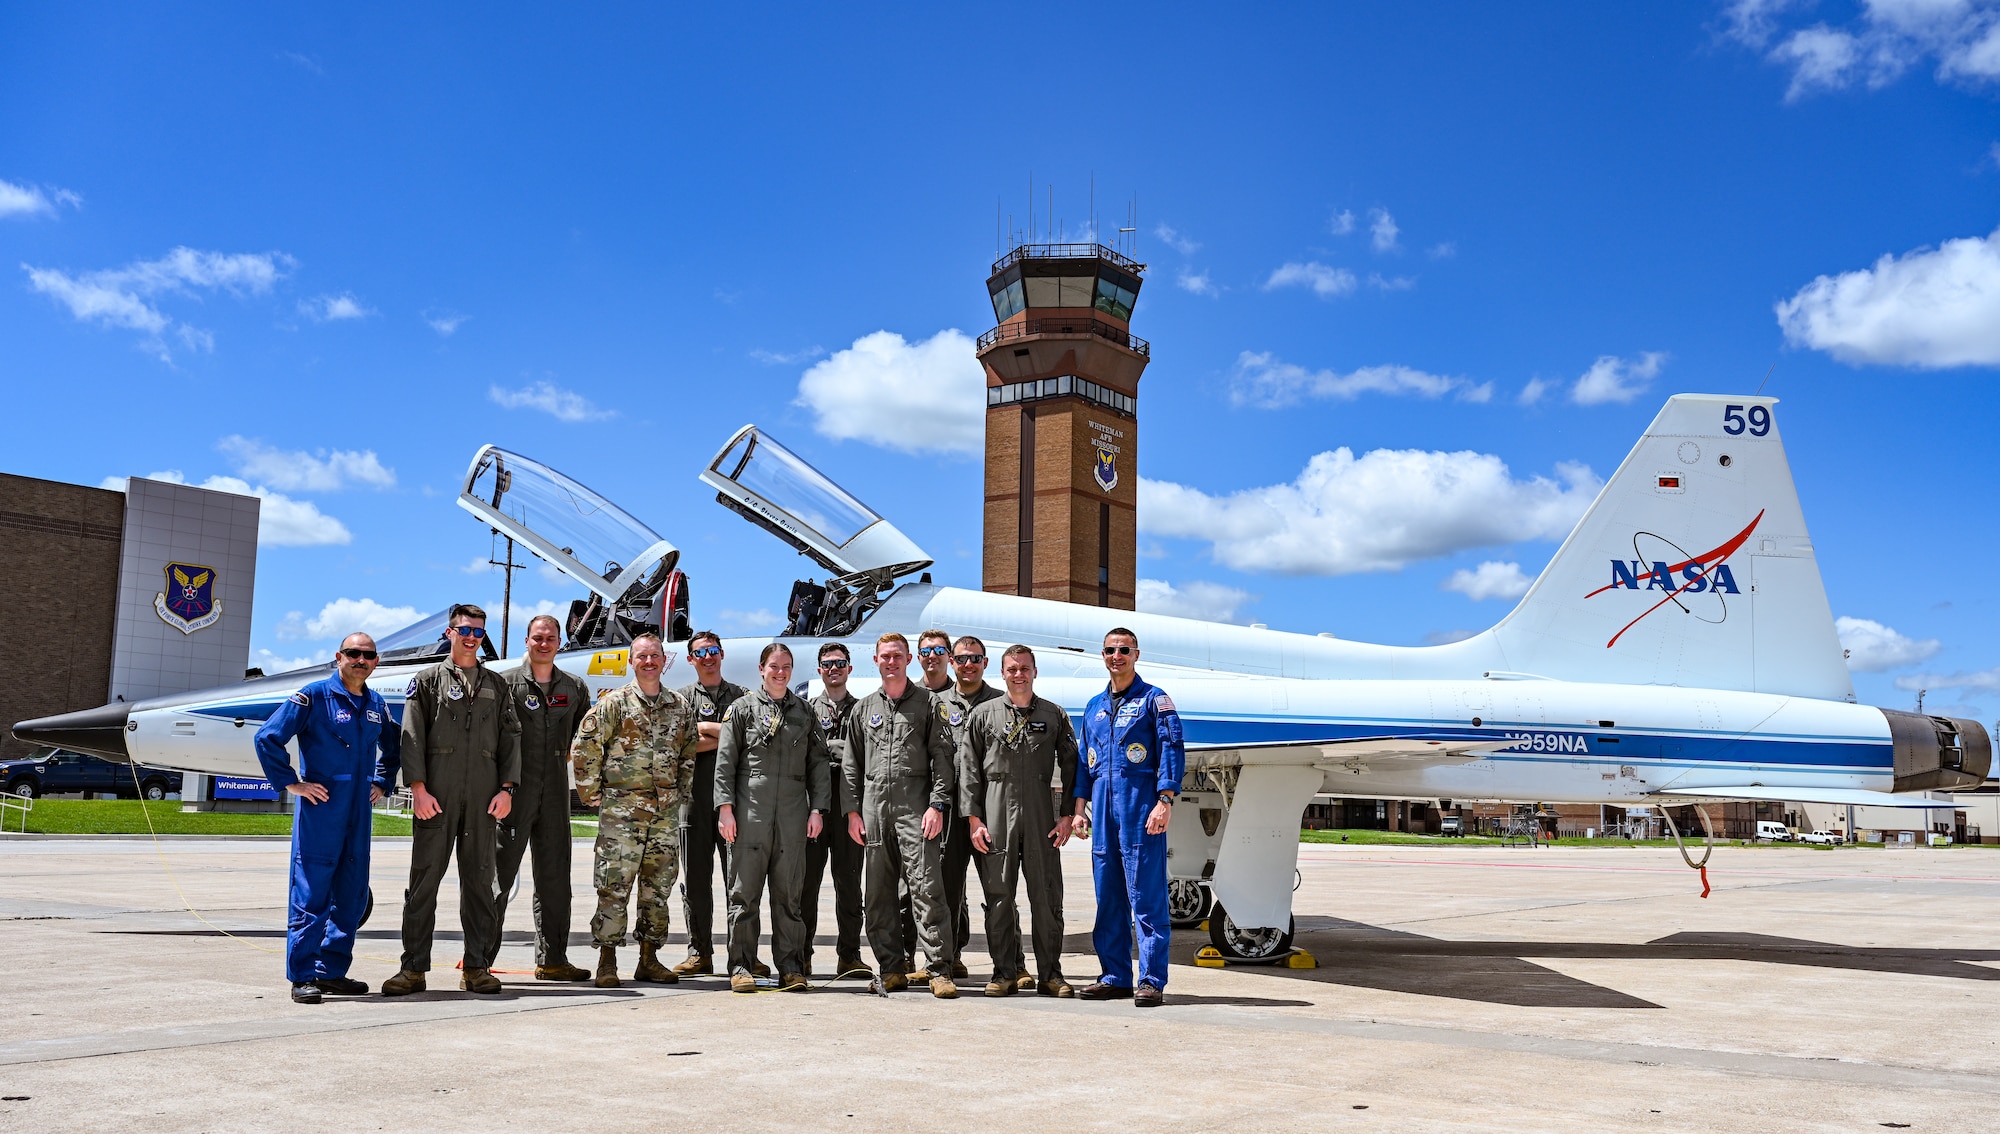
{"x":1540,"y":989}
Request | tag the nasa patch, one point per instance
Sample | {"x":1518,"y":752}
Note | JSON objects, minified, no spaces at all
{"x":1163,"y":703}
{"x":300,"y":698}
{"x":342,"y":716}
{"x":1136,"y":753}
{"x":531,"y":701}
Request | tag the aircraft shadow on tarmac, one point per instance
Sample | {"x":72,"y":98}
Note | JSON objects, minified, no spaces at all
{"x":1497,"y":972}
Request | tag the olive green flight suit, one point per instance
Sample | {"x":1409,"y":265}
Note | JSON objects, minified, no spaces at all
{"x":833,"y":847}
{"x":899,"y":763}
{"x":1009,"y":759}
{"x":771,"y":767}
{"x":956,"y":857}
{"x":700,"y":845}
{"x":461,"y":741}
{"x":549,"y":717}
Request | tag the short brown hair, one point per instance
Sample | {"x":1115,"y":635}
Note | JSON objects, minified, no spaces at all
{"x":700,"y":634}
{"x":934,"y":632}
{"x":892,"y":636}
{"x":1017,"y":650}
{"x":964,"y":638}
{"x":463,"y":610}
{"x":840,"y":648}
{"x":764,"y":654}
{"x":1121,"y":632}
{"x":653,"y":638}
{"x":548,"y":618}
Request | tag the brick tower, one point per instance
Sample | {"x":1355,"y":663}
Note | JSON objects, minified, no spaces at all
{"x":1062,"y":436}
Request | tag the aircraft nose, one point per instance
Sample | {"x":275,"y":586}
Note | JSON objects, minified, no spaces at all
{"x":99,"y":731}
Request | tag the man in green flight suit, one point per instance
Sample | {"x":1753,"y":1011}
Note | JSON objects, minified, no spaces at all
{"x":773,"y":786}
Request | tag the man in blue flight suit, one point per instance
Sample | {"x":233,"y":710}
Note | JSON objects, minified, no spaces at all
{"x":1131,"y":771}
{"x":340,"y":724}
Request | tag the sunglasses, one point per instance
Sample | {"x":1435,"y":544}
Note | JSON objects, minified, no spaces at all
{"x":1121,"y":651}
{"x":835,"y":663}
{"x":933,"y":651}
{"x":968,"y":659}
{"x":473,"y":632}
{"x":364,"y":655}
{"x":706,"y":652}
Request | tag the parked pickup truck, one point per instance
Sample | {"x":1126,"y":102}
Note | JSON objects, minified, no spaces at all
{"x":54,"y":771}
{"x":1821,"y":838}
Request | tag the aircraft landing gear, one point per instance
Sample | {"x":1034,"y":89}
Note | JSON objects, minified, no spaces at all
{"x":1237,"y":944}
{"x":1188,"y":901}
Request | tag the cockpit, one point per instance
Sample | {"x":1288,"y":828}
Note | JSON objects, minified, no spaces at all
{"x":630,"y":571}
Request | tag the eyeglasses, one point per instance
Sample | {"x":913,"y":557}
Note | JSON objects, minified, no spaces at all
{"x":968,"y":659}
{"x":473,"y":632}
{"x":933,"y":651}
{"x":365,"y":655}
{"x":1121,"y":651}
{"x":706,"y":652}
{"x":835,"y":663}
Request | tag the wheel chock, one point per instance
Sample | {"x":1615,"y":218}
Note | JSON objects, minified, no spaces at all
{"x":1300,"y":959}
{"x":1208,"y":957}
{"x":1204,"y":928}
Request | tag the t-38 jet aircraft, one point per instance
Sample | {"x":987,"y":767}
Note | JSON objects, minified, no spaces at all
{"x":1678,"y":649}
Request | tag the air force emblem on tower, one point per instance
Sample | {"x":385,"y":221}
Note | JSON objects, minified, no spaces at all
{"x":189,"y":603}
{"x":1105,"y":473}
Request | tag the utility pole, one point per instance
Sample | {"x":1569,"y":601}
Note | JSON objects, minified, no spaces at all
{"x":507,"y":567}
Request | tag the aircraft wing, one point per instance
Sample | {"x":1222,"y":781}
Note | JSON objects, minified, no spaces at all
{"x":1352,"y":754}
{"x":1780,"y":794}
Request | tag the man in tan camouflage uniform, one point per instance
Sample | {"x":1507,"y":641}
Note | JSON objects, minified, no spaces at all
{"x":635,"y":750}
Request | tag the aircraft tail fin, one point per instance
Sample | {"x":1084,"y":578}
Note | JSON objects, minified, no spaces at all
{"x":1693,"y":568}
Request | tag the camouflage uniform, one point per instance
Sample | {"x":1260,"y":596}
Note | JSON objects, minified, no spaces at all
{"x":1006,"y":765}
{"x":771,"y":770}
{"x":637,"y":752}
{"x":956,"y":858}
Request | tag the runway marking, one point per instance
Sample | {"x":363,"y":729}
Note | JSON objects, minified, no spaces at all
{"x":1338,"y":861}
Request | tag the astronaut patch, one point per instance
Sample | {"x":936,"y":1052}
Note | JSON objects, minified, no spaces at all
{"x":531,"y":701}
{"x":1163,"y":703}
{"x":1090,"y":754}
{"x":1136,"y":753}
{"x":300,"y":698}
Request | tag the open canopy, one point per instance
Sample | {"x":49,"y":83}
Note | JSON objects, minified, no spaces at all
{"x":591,"y":539}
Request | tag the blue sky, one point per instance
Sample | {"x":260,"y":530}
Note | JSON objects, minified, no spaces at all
{"x":329,"y":256}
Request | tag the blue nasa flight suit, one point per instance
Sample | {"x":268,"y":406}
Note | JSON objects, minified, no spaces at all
{"x":1132,"y":753}
{"x":338,"y":735}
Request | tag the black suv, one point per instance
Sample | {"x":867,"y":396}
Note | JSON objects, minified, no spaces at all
{"x":54,"y":771}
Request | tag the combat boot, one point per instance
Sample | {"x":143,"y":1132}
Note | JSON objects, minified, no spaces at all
{"x":742,"y":982}
{"x":759,"y":968}
{"x":403,"y":983}
{"x":607,"y":967}
{"x":1024,"y":983}
{"x":852,"y":966}
{"x":943,"y":988}
{"x":1057,"y":987}
{"x":697,"y":964}
{"x":959,"y":971}
{"x":793,"y":980}
{"x":917,"y":976}
{"x":650,"y":968}
{"x":1000,"y":986}
{"x":563,"y":971}
{"x":891,"y":982}
{"x":479,"y":980}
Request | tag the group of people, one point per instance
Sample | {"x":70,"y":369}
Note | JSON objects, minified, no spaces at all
{"x":900,"y":793}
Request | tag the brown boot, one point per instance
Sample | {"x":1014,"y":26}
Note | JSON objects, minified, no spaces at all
{"x":697,"y":964}
{"x":607,"y":967}
{"x":742,"y":982}
{"x":1000,"y":987}
{"x":852,"y":966}
{"x":943,"y":988}
{"x":563,"y":971}
{"x":891,"y":982}
{"x":1057,"y":987}
{"x":759,"y":968}
{"x":479,"y":980}
{"x":650,"y":968}
{"x":793,"y":980}
{"x":403,"y":983}
{"x":959,"y":971}
{"x":1024,"y":983}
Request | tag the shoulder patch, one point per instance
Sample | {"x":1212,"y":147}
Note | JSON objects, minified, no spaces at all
{"x":1163,"y":703}
{"x":300,"y":698}
{"x":410,"y":690}
{"x":727,"y":714}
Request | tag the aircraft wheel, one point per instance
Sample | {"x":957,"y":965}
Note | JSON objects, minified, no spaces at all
{"x":367,"y":909}
{"x":1237,"y":944}
{"x":1188,"y":901}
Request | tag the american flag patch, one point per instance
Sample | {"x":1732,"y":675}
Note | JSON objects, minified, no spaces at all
{"x":1163,"y":703}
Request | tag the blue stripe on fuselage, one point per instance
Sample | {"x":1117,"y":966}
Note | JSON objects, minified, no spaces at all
{"x":262,"y":710}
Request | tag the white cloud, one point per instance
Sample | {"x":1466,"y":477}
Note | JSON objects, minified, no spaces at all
{"x":1196,"y":282}
{"x":1489,"y":580}
{"x":787,"y":358}
{"x":344,"y":616}
{"x":1444,"y":251}
{"x":1931,"y":308}
{"x":1260,"y":379}
{"x":1342,"y":223}
{"x":927,"y":396}
{"x":1382,"y":230}
{"x":551,"y":399}
{"x":297,"y":471}
{"x":1325,"y":282}
{"x":445,"y":323}
{"x":34,"y":200}
{"x":271,"y":663}
{"x":1961,"y":37}
{"x":1380,"y":282}
{"x":333,"y":308}
{"x":1614,"y":379}
{"x":1536,"y":387}
{"x":1210,"y":602}
{"x":125,"y":297}
{"x":1376,"y":512}
{"x":758,"y":621}
{"x":1175,"y":240}
{"x":281,"y":520}
{"x":305,"y":62}
{"x":1872,"y":647}
{"x":481,"y":565}
{"x":1987,"y":679}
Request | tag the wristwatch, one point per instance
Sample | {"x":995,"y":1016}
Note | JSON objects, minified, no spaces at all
{"x":1166,"y":797}
{"x":508,"y":788}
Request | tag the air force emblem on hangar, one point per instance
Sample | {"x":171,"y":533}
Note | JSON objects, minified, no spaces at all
{"x":189,"y":603}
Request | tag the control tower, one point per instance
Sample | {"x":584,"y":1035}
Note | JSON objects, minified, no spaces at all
{"x":1062,"y":426}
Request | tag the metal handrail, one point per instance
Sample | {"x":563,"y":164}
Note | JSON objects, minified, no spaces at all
{"x":20,"y":803}
{"x":1067,"y":252}
{"x":1097,"y":327}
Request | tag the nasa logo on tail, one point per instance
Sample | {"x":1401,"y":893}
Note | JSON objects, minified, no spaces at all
{"x":1659,"y":564}
{"x":189,"y":603}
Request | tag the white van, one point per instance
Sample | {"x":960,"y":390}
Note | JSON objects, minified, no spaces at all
{"x":1776,"y":832}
